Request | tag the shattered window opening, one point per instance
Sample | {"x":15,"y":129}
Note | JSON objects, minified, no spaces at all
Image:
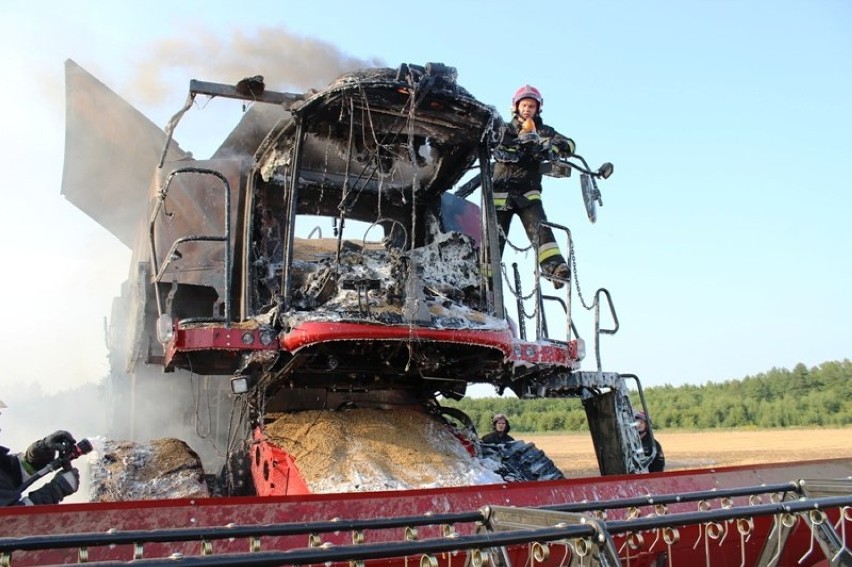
{"x":377,"y":158}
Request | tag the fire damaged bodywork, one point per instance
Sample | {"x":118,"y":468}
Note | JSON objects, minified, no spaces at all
{"x":337,"y":253}
{"x":325,"y":255}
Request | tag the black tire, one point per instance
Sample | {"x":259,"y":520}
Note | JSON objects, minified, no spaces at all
{"x":521,"y":461}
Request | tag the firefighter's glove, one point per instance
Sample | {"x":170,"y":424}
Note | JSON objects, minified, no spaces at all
{"x":566,"y":147}
{"x":40,"y":453}
{"x":63,"y":483}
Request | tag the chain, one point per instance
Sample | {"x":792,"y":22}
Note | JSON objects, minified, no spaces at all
{"x":512,"y":245}
{"x":508,"y":282}
{"x":517,"y":295}
{"x":573,"y":259}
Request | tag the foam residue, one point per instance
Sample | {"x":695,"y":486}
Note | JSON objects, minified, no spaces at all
{"x":448,"y":268}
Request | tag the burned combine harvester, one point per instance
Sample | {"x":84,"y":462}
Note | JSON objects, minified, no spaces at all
{"x":325,"y":260}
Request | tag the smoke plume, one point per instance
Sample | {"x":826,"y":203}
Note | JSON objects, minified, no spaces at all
{"x":286,"y":60}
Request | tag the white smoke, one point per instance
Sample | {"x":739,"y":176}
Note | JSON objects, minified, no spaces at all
{"x":285,"y":59}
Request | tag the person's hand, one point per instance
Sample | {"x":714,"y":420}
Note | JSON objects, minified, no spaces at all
{"x":66,"y":482}
{"x":40,"y":453}
{"x":63,"y":483}
{"x":531,"y":139}
{"x":60,"y":440}
{"x":566,"y":147}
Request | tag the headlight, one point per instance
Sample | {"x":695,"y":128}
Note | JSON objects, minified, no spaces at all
{"x":266,"y":337}
{"x":240,"y":384}
{"x":165,"y":328}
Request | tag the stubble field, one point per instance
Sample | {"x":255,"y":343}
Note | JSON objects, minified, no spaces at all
{"x":574,"y":453}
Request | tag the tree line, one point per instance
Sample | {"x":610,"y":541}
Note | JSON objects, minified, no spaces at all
{"x":801,"y":397}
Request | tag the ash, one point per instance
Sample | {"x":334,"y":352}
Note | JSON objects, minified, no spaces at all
{"x":447,"y":271}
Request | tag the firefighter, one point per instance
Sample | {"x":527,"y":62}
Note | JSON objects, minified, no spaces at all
{"x":525,"y":142}
{"x":16,"y":469}
{"x":659,"y":462}
{"x":500,"y":430}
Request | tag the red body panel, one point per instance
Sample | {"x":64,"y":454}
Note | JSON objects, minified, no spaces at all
{"x":314,"y":332}
{"x":690,"y":548}
{"x":545,"y":353}
{"x":217,"y":338}
{"x":273,"y":470}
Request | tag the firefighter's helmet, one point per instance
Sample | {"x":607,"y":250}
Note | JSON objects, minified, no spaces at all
{"x":527,"y":91}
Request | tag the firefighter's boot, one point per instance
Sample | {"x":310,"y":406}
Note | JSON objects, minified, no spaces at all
{"x":557,"y":271}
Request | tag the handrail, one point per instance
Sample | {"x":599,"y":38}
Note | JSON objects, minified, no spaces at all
{"x":598,"y":329}
{"x":160,"y":205}
{"x":540,"y":322}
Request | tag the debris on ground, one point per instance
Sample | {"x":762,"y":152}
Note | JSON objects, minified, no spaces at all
{"x":153,"y":470}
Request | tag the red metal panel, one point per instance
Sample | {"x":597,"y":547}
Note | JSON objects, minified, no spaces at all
{"x":538,"y":353}
{"x":218,"y":338}
{"x":274,"y":471}
{"x":213,"y":337}
{"x":315,"y":332}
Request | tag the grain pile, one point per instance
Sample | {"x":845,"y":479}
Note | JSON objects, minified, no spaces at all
{"x":362,"y":450}
{"x":155,"y":470}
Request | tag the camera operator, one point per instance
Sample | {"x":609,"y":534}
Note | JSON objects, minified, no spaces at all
{"x":16,"y":469}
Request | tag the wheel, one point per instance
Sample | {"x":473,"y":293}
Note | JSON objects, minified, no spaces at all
{"x":521,"y":461}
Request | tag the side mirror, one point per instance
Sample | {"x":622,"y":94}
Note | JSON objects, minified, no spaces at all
{"x":605,"y":170}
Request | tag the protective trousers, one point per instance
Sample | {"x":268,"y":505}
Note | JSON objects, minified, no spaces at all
{"x":531,"y":215}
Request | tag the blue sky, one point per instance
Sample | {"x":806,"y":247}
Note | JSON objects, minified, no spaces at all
{"x":725,"y":230}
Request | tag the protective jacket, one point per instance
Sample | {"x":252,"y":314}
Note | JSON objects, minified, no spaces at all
{"x":517,"y":173}
{"x":11,"y":477}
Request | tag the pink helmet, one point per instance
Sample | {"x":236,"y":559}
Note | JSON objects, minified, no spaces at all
{"x":527,"y":91}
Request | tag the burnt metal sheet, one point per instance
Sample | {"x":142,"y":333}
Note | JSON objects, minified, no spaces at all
{"x":111,"y":152}
{"x":195,"y":205}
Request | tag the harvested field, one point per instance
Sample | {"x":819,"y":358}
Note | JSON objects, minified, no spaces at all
{"x":574,"y":453}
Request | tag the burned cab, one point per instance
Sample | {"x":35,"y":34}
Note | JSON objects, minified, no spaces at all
{"x":320,"y":246}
